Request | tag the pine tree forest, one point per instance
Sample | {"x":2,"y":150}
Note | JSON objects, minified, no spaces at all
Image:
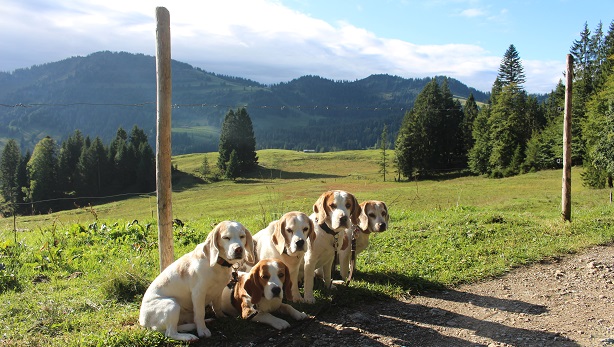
{"x":79,"y":167}
{"x":514,"y":133}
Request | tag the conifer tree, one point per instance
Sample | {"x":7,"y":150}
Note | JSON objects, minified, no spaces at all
{"x":9,"y":169}
{"x":237,"y":135}
{"x":42,"y":170}
{"x":470,"y":113}
{"x":511,"y":71}
{"x":383,"y":162}
{"x":68,"y":161}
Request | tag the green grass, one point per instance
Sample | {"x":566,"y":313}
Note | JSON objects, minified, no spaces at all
{"x":76,"y":278}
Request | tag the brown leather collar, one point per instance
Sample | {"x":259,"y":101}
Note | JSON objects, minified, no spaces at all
{"x":223,"y":262}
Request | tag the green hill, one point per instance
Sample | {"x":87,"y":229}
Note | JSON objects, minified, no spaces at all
{"x":103,"y":91}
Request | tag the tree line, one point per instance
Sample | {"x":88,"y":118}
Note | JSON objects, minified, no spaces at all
{"x":41,"y":181}
{"x":513,"y":132}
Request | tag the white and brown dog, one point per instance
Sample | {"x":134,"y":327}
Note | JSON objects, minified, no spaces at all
{"x":286,"y":239}
{"x":373,"y":218}
{"x":175,"y":301}
{"x":257,"y":294}
{"x":333,"y":213}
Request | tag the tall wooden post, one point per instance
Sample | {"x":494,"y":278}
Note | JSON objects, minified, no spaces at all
{"x":163,"y":137}
{"x":566,"y":201}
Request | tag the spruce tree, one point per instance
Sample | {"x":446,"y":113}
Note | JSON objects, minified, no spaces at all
{"x":479,"y":155}
{"x":68,"y":160}
{"x":42,"y":170}
{"x":383,"y":162}
{"x":237,"y":134}
{"x":9,"y":169}
{"x":511,"y":71}
{"x":470,"y":113}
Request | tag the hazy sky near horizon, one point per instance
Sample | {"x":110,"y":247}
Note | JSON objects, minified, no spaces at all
{"x":273,"y":41}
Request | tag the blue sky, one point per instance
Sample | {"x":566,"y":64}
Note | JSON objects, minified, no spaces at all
{"x":273,"y":41}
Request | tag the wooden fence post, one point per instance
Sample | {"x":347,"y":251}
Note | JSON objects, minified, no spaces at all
{"x":163,"y":137}
{"x":566,"y":201}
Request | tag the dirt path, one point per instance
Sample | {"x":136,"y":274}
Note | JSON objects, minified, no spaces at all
{"x":563,"y":302}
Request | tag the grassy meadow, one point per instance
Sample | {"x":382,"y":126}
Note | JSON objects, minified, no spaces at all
{"x":75,"y":278}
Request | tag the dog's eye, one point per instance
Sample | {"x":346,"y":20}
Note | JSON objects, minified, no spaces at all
{"x":348,"y":205}
{"x":280,"y":275}
{"x":384,"y":214}
{"x":242,"y":237}
{"x":266,"y":277}
{"x":333,"y":206}
{"x":225,"y":238}
{"x":289,"y":231}
{"x":305,"y":228}
{"x":372,"y":215}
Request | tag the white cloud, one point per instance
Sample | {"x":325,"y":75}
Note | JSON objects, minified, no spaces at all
{"x":472,"y":12}
{"x":257,"y":39}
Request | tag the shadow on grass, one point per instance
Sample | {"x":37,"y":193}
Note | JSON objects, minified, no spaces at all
{"x":374,"y":319}
{"x":264,"y":173}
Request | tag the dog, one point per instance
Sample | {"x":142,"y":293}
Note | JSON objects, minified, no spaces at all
{"x":260,"y":292}
{"x":286,"y":239}
{"x":175,"y":301}
{"x":333,"y":213}
{"x":373,"y":218}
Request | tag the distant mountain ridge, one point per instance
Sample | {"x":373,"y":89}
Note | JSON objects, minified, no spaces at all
{"x":103,"y":91}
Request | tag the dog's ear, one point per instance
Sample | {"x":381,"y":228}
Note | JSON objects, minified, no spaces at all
{"x":320,"y":207}
{"x":346,"y":242}
{"x":243,"y":298}
{"x":311,"y":233}
{"x":253,"y":285}
{"x":364,"y":219}
{"x":210,"y":248}
{"x":387,"y":218}
{"x":279,"y":241}
{"x":355,"y":213}
{"x":287,"y":284}
{"x":249,"y":247}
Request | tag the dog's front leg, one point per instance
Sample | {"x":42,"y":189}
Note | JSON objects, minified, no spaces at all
{"x":296,"y":295}
{"x":308,"y":281}
{"x":327,"y":273}
{"x":291,"y":311}
{"x":198,"y":300}
{"x":344,"y":264}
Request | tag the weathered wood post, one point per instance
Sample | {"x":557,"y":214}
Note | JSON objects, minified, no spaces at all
{"x":163,"y":137}
{"x":566,"y":201}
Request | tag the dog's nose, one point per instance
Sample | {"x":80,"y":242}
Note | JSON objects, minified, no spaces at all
{"x":276,"y":291}
{"x":343,"y":220}
{"x":381,"y":226}
{"x":238,"y":253}
{"x":300,"y":243}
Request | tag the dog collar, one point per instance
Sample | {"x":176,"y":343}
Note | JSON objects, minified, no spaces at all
{"x":223,"y":262}
{"x":327,"y":229}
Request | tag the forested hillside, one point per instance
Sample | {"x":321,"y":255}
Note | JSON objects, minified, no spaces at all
{"x":104,"y":91}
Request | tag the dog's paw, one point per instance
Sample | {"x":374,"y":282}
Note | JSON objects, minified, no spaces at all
{"x":337,"y":282}
{"x":297,"y":298}
{"x":310,"y":299}
{"x":298,"y":315}
{"x":280,"y":324}
{"x":205,"y":332}
{"x":184,"y":337}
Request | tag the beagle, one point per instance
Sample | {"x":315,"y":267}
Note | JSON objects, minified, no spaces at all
{"x":260,"y":292}
{"x":333,"y":213}
{"x":175,"y":301}
{"x":286,"y":239}
{"x":373,"y":218}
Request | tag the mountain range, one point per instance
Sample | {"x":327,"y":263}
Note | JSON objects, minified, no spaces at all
{"x":101,"y":92}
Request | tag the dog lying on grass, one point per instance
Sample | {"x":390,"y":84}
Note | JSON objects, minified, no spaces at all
{"x":257,"y":294}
